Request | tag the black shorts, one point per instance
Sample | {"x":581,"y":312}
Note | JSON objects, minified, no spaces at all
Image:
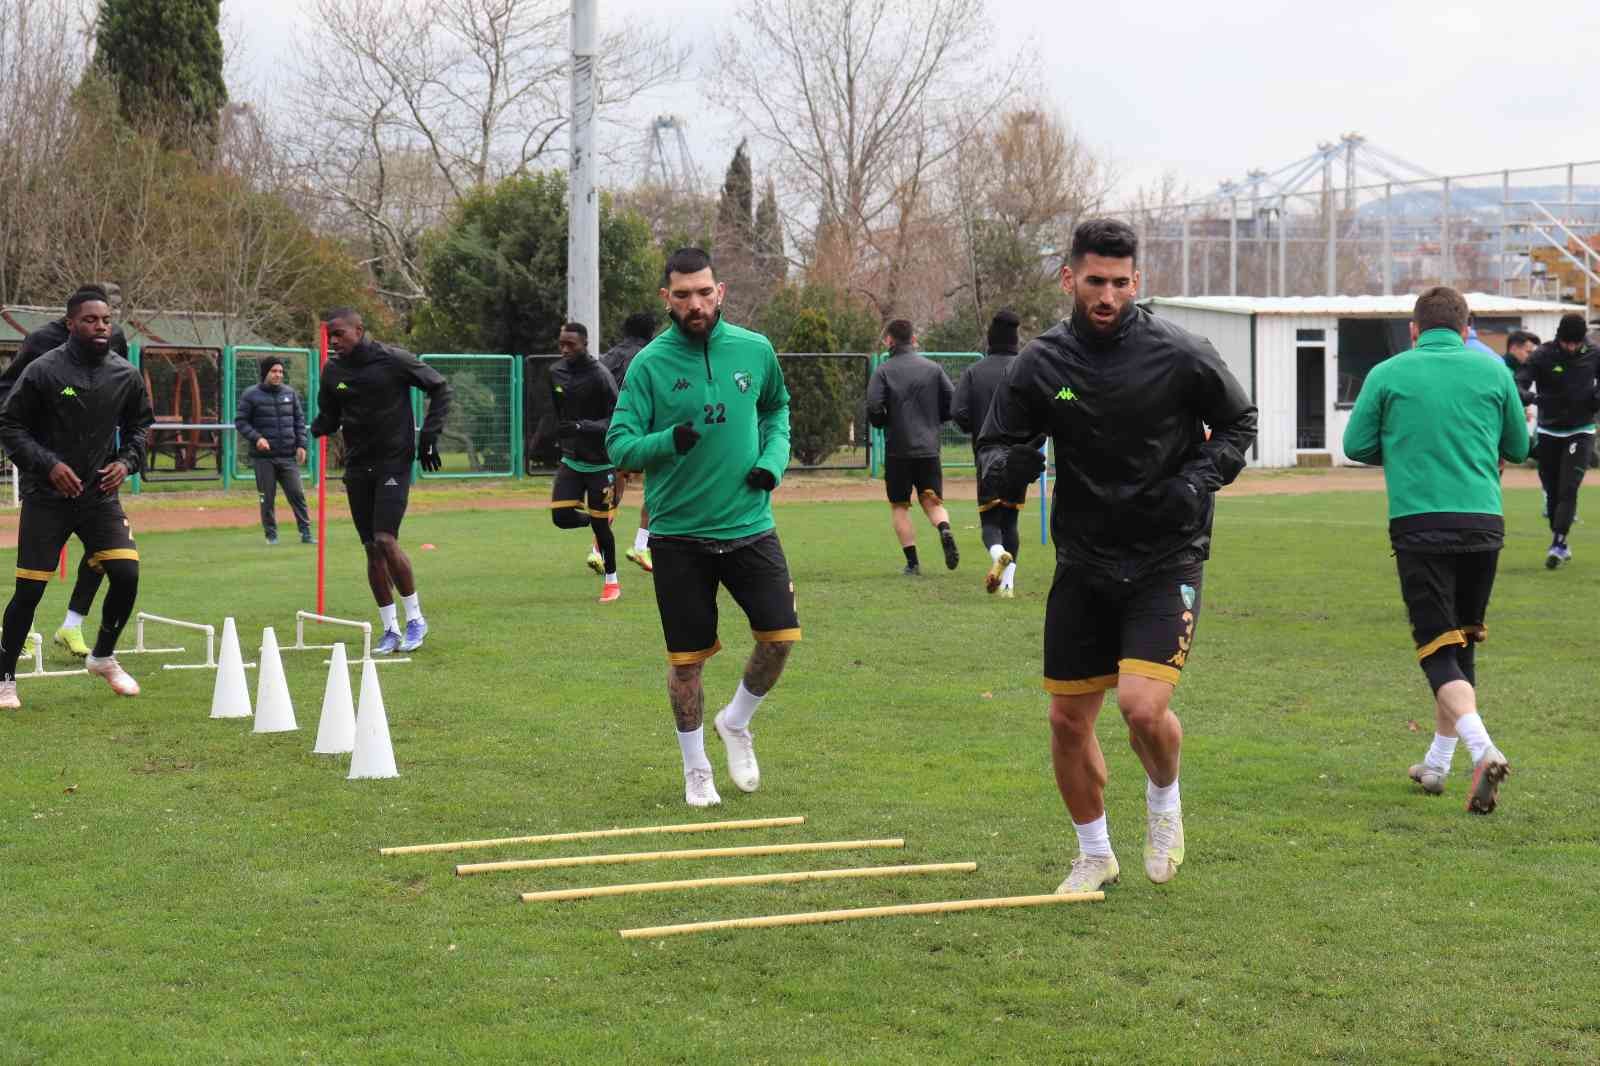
{"x":1447,"y":596}
{"x":377,"y":500}
{"x":590,"y":494}
{"x":1096,"y":627}
{"x":903,"y":476}
{"x":45,"y":525}
{"x":686,"y":577}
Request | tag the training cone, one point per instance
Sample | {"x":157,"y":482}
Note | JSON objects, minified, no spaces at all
{"x":231,"y":697}
{"x":374,"y":754}
{"x":336,"y":732}
{"x":274,"y":712}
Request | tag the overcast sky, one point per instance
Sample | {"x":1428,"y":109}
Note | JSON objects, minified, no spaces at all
{"x":1207,"y":90}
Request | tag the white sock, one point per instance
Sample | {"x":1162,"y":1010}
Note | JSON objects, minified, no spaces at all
{"x":386,"y":616}
{"x":741,"y":708}
{"x":1440,"y":752}
{"x":611,"y":579}
{"x":1093,"y":837}
{"x":74,"y":620}
{"x":1469,"y":727}
{"x":693,"y":746}
{"x":413,"y":607}
{"x":641,"y":539}
{"x":1008,"y":575}
{"x":1161,"y":800}
{"x":995,"y":551}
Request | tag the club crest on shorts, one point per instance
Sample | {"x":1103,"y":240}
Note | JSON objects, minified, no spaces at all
{"x":1187,"y":592}
{"x":742,"y":379}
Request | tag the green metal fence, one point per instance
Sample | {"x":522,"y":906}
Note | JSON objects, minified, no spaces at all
{"x":483,"y":436}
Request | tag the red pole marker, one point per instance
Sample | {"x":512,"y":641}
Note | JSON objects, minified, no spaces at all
{"x":322,"y":489}
{"x":63,"y":562}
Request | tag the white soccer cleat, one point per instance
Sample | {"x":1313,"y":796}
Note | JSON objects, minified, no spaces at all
{"x":8,"y":696}
{"x":1090,"y":873}
{"x":1431,"y":780}
{"x":699,"y":790}
{"x":741,"y":754}
{"x":1163,"y":846}
{"x":115,"y":675}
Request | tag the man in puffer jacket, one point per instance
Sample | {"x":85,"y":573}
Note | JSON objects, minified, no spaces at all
{"x":272,"y":424}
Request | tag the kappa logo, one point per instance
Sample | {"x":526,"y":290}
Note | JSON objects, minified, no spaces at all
{"x":742,"y":379}
{"x":391,"y":481}
{"x":340,"y":387}
{"x":1066,"y":394}
{"x":69,"y":391}
{"x":680,"y":384}
{"x":1559,"y":369}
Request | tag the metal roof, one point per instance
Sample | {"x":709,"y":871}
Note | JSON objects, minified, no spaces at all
{"x":195,"y":329}
{"x":1481,"y":303}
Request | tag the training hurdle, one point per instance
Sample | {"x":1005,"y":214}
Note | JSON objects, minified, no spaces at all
{"x":818,"y":917}
{"x":592,"y":834}
{"x":38,"y":662}
{"x":790,"y":877}
{"x":199,"y":627}
{"x":467,"y":869}
{"x":302,"y":617}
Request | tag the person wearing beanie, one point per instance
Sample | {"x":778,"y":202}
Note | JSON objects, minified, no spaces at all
{"x":1559,"y":378}
{"x":997,"y":515}
{"x":272,"y":427}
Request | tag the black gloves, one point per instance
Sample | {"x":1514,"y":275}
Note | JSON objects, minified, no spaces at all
{"x":428,"y":453}
{"x":761,"y":479}
{"x":1024,"y":463}
{"x":684,"y":437}
{"x":570,"y":428}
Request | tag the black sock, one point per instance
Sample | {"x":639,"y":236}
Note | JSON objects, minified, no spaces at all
{"x":944,"y":527}
{"x":1560,"y":541}
{"x":911,"y":555}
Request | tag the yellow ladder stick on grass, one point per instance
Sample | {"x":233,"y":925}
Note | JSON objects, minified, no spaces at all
{"x":594,"y":834}
{"x":818,"y":917}
{"x":750,"y":879}
{"x":467,"y":869}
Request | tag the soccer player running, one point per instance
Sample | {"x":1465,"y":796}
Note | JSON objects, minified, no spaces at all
{"x":997,"y":517}
{"x":583,"y":395}
{"x":909,"y":397}
{"x":705,"y":415}
{"x":1560,"y":378}
{"x":1127,"y":397}
{"x":366,"y":392}
{"x":1438,"y":419}
{"x":48,"y":337}
{"x":75,"y":425}
{"x":637,"y":331}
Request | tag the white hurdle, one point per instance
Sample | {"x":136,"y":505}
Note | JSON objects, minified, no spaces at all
{"x":38,"y":662}
{"x":139,"y":648}
{"x":302,"y":617}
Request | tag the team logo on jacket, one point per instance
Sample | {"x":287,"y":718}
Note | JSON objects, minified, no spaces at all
{"x":69,"y":391}
{"x":340,"y":387}
{"x":1187,"y":592}
{"x":741,"y":378}
{"x":1559,"y":369}
{"x":680,"y":384}
{"x":1066,"y":394}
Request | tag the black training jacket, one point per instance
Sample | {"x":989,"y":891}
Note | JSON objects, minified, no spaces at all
{"x":619,"y":355}
{"x":78,"y":407}
{"x":1562,"y":383}
{"x":1127,"y":414}
{"x":367,"y":393}
{"x":48,"y":337}
{"x":583,"y":392}
{"x":909,"y":397}
{"x":975,"y":391}
{"x":273,"y":412}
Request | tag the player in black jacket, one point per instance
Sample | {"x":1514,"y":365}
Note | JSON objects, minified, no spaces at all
{"x":1561,"y":378}
{"x":638,"y":330}
{"x":366,"y":391}
{"x":48,"y":337}
{"x":75,"y":425}
{"x":583,"y":395}
{"x":997,"y":516}
{"x":1127,"y":399}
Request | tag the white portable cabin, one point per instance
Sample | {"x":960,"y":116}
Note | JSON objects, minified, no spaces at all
{"x":1303,"y":358}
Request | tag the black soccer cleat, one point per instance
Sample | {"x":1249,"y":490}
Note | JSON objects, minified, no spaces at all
{"x":952,"y":554}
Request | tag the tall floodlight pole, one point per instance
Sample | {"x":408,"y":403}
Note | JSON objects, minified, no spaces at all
{"x":583,"y":210}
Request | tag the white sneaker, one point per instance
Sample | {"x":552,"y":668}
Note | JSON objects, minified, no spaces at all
{"x":8,"y":696}
{"x":741,"y":754}
{"x":1089,"y":873}
{"x":1163,"y":845}
{"x":699,"y":790}
{"x":115,"y":675}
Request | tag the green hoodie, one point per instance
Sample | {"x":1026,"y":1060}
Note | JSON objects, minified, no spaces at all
{"x":1437,"y":419}
{"x":729,"y":386}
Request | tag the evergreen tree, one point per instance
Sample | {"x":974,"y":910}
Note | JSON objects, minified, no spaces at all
{"x":164,"y":59}
{"x":769,"y":240}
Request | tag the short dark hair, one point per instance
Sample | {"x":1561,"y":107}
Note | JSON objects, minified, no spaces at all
{"x":640,"y":324}
{"x":1105,"y":237}
{"x":342,"y":314}
{"x":1521,"y":336}
{"x":576,"y":327}
{"x":1440,"y":307}
{"x":87,"y":294}
{"x":686,"y":261}
{"x":900,"y":331}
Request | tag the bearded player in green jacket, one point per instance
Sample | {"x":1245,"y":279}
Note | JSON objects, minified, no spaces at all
{"x":705,"y":414}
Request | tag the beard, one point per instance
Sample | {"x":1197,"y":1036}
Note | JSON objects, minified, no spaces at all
{"x":1081,"y":312}
{"x":700,"y":327}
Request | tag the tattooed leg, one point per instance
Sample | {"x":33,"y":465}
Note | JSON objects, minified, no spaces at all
{"x":687,"y":695}
{"x":765,"y":665}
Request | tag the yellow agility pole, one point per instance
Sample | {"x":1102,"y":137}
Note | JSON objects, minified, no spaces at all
{"x":467,"y":869}
{"x":751,"y":879}
{"x":593,"y":834}
{"x":818,"y":917}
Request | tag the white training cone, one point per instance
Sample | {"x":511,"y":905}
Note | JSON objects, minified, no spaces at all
{"x":231,"y":697}
{"x":336,"y":732}
{"x":274,"y":712}
{"x":374,"y":755}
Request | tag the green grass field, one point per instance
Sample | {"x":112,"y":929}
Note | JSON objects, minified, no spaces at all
{"x":176,"y":889}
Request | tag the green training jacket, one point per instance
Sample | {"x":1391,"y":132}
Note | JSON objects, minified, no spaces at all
{"x":1438,"y":418}
{"x":730,"y":387}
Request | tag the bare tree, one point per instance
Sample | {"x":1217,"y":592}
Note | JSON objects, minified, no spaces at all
{"x":428,"y":101}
